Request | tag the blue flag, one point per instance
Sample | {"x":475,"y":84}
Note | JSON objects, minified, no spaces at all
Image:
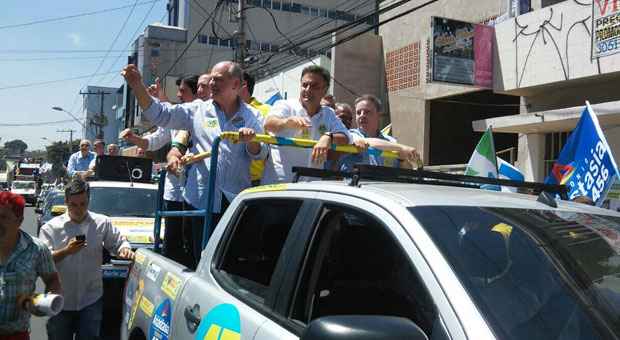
{"x":273,"y":99}
{"x":585,"y":164}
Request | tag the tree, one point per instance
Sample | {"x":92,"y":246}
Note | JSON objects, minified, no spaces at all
{"x":16,"y":147}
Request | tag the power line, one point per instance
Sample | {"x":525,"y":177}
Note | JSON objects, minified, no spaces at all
{"x":43,"y":21}
{"x":52,"y":81}
{"x":204,"y":23}
{"x":36,"y":124}
{"x":131,"y":39}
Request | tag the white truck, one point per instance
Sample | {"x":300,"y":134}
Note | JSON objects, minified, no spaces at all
{"x":26,"y":188}
{"x":379,"y":260}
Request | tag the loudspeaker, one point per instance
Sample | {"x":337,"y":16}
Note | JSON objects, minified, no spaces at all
{"x":124,"y":169}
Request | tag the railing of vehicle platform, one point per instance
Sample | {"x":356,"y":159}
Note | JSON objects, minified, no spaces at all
{"x":207,"y":213}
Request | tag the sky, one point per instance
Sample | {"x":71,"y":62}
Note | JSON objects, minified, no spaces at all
{"x":58,"y":50}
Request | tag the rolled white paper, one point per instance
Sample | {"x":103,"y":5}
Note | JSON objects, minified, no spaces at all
{"x":48,"y":304}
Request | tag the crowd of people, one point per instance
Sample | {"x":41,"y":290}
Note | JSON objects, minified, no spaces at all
{"x":222,"y":100}
{"x":67,"y":256}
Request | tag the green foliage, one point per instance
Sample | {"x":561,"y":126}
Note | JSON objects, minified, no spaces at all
{"x":15,"y":147}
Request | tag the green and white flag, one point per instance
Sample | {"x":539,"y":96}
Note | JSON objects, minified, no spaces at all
{"x":483,"y":162}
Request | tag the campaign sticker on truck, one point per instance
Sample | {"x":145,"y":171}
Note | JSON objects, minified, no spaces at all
{"x":222,"y":322}
{"x":269,"y":187}
{"x":134,"y":307}
{"x":139,"y":258}
{"x":160,"y":327}
{"x":171,"y":285}
{"x":146,"y":306}
{"x":152,"y":272}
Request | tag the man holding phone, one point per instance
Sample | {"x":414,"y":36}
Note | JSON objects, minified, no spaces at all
{"x":76,"y":240}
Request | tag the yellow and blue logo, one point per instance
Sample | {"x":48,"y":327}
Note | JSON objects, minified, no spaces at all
{"x":221,"y":323}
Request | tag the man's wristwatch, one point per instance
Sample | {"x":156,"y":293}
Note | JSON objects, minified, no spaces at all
{"x":330,"y":135}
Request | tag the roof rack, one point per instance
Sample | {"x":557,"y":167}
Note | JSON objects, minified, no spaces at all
{"x":387,"y":174}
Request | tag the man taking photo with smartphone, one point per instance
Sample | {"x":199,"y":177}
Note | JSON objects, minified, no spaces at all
{"x":76,"y":240}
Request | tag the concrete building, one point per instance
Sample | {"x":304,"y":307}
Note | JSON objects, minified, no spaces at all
{"x":434,"y":116}
{"x":545,"y":57}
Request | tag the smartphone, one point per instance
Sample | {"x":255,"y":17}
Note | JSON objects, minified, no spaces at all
{"x":81,"y":238}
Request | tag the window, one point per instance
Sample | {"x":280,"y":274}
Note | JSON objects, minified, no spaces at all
{"x":355,"y":266}
{"x":305,"y":10}
{"x":265,"y":47}
{"x":547,"y":3}
{"x":255,"y":244}
{"x":203,"y":39}
{"x":286,"y":5}
{"x":296,"y":7}
{"x":533,"y":274}
{"x":267,"y":4}
{"x":213,"y":41}
{"x":276,"y":4}
{"x":314,"y":11}
{"x":554,"y":142}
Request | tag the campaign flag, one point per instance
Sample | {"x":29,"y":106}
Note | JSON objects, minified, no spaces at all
{"x":585,"y":165}
{"x":483,"y":162}
{"x":508,"y":171}
{"x":273,"y":99}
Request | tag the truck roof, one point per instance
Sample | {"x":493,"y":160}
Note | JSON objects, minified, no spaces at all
{"x":409,"y":194}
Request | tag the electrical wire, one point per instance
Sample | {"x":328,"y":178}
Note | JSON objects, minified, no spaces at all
{"x":131,"y":40}
{"x":52,"y":82}
{"x":189,"y":44}
{"x":36,"y":124}
{"x":43,"y":21}
{"x":133,"y":8}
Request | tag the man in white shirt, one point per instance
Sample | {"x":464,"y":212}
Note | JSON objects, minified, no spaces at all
{"x":303,"y":118}
{"x":206,"y":120}
{"x":80,"y":161}
{"x":76,"y":240}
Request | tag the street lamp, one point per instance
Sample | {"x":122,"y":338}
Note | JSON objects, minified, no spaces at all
{"x":58,"y":108}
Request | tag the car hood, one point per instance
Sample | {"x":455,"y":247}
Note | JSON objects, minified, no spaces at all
{"x":137,"y":230}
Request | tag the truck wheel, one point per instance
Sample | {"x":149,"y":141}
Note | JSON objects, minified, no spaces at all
{"x":137,"y":335}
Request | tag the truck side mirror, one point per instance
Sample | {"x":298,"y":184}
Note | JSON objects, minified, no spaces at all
{"x":363,"y":327}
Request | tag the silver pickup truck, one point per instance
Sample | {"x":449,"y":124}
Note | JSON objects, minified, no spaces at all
{"x":327,"y":260}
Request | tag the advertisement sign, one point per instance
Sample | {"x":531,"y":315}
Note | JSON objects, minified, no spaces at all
{"x":605,"y":27}
{"x":462,"y":52}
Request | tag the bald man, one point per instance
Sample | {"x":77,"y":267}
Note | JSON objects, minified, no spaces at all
{"x":206,"y":120}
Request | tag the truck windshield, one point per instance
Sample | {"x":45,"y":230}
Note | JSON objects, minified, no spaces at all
{"x":123,"y":202}
{"x":534,"y":274}
{"x":23,"y":185}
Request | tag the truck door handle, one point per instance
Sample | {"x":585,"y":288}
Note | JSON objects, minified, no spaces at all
{"x":192,"y":318}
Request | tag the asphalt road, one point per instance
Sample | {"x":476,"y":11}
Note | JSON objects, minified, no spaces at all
{"x":37,"y":324}
{"x":110,"y":325}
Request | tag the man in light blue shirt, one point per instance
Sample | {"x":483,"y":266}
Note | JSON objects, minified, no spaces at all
{"x":367,"y":116}
{"x":206,"y":120}
{"x":80,"y":161}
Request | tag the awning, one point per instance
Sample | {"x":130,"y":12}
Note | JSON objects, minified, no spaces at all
{"x":550,"y":121}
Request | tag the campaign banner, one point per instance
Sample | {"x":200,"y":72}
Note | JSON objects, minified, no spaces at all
{"x":585,"y":164}
{"x":605,"y":27}
{"x":462,"y":52}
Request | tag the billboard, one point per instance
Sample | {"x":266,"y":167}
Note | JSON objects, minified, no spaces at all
{"x":462,"y":52}
{"x":605,"y":27}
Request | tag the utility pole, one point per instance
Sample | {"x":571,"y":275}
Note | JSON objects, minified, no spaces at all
{"x":70,"y":131}
{"x":240,"y":34}
{"x":98,"y":121}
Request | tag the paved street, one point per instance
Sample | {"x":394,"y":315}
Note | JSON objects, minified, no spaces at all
{"x":37,"y":324}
